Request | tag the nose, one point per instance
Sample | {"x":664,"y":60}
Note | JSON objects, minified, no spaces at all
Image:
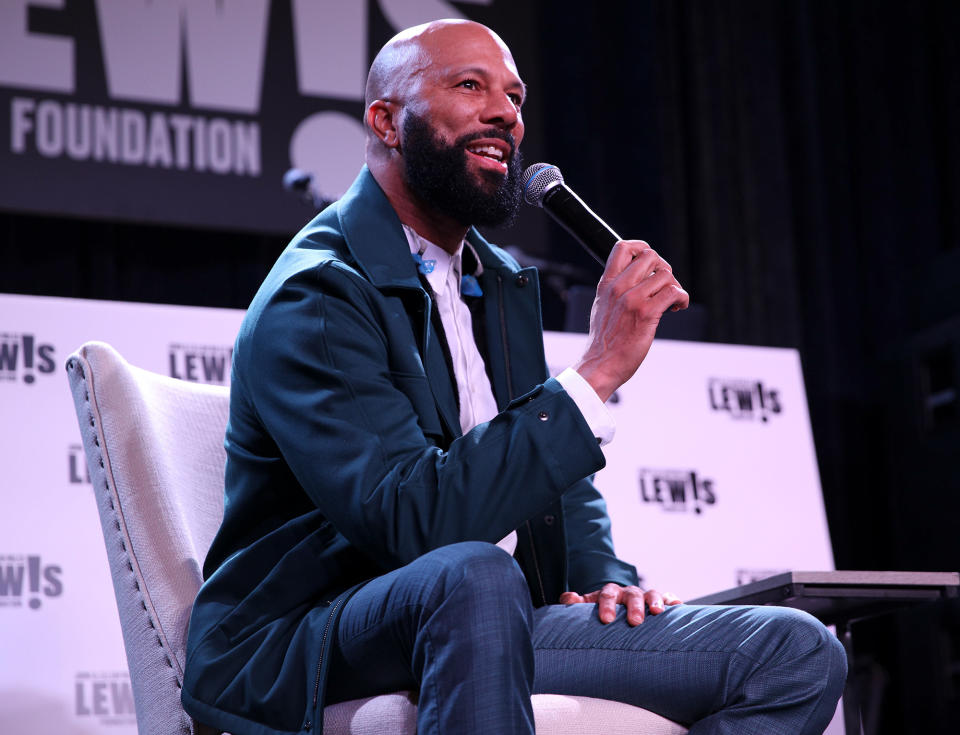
{"x":502,"y":112}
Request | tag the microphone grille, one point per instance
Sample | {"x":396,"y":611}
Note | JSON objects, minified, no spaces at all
{"x":537,"y":180}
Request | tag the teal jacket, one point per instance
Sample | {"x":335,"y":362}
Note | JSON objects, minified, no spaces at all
{"x":345,"y":460}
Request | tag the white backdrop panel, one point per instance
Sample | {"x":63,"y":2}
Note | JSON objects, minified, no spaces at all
{"x":707,"y":486}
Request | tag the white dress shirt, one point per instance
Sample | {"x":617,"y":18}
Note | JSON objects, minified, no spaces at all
{"x":444,"y":273}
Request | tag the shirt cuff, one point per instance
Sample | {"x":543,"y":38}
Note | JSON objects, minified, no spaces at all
{"x":597,"y":415}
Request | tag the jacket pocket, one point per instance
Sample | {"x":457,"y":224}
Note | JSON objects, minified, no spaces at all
{"x":297,"y":578}
{"x":417,"y":389}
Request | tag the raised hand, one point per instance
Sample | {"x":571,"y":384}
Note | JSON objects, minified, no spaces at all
{"x":636,"y":288}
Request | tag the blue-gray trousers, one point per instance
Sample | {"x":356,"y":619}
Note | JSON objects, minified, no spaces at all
{"x":457,"y":625}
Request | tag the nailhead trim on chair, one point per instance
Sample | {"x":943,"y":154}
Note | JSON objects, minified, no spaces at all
{"x":74,"y":364}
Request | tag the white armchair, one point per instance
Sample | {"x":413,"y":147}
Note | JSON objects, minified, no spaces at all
{"x":155,"y":450}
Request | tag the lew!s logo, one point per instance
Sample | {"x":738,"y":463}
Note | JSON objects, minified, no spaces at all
{"x":744,"y":399}
{"x":200,"y":364}
{"x":21,"y":356}
{"x":105,"y":696}
{"x":676,"y":490}
{"x":17,"y":571}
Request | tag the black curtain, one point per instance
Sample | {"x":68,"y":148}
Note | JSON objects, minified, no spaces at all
{"x":797,"y":163}
{"x":809,"y":156}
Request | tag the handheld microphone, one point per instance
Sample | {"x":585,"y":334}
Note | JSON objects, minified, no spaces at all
{"x":543,"y":187}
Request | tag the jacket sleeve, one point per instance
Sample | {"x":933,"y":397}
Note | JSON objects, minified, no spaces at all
{"x":591,"y":561}
{"x":316,"y":365}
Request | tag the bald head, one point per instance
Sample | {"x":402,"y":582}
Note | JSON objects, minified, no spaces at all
{"x":413,"y":51}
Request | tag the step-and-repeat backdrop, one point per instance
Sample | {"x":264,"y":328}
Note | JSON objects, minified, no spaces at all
{"x":711,"y":482}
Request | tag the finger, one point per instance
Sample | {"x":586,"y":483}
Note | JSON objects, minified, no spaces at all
{"x":656,"y":294}
{"x":654,"y":282}
{"x":671,"y":599}
{"x":643,"y":265}
{"x":622,"y":255}
{"x":648,"y":261}
{"x":654,"y":601}
{"x":672,"y":296}
{"x":592,"y":596}
{"x":649,"y":273}
{"x":570,"y":598}
{"x":683,"y":302}
{"x":633,"y":598}
{"x":607,"y":602}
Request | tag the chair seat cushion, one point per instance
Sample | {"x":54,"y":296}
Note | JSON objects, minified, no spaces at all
{"x":555,"y":714}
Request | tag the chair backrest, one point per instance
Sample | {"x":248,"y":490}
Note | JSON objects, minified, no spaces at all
{"x":155,"y":450}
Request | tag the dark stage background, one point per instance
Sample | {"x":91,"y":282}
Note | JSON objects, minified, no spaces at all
{"x":797,"y":162}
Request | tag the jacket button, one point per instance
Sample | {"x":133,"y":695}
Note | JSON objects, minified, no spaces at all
{"x":543,"y":415}
{"x":522,"y":281}
{"x":549,"y":520}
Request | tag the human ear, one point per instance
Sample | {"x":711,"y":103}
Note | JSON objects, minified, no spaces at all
{"x":380,"y":119}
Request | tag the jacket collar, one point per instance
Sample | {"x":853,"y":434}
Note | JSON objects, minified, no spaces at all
{"x":376,"y":242}
{"x":375,"y":239}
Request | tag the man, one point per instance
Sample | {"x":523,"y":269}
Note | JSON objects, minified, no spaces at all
{"x":406,"y":502}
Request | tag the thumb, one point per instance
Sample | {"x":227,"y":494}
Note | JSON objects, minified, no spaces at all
{"x":569,"y":598}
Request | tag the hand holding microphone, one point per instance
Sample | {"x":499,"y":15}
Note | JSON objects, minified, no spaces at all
{"x":636,"y":288}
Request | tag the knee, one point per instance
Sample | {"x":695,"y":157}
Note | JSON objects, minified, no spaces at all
{"x":831,"y":659}
{"x":810,"y":650}
{"x":479,"y":574}
{"x":479,"y":607}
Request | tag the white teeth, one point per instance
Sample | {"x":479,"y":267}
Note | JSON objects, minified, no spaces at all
{"x":490,"y":151}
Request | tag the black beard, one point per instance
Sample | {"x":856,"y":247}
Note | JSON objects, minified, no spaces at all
{"x":437,"y":175}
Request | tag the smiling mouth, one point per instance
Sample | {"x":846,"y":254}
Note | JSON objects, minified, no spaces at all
{"x":490,"y":154}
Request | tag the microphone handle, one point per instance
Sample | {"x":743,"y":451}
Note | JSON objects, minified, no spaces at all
{"x":572,"y":214}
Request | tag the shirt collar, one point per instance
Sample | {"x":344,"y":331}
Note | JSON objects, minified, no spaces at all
{"x":371,"y":230}
{"x":437,"y":264}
